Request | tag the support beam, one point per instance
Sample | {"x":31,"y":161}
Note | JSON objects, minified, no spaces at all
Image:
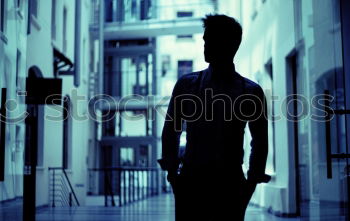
{"x":150,"y":28}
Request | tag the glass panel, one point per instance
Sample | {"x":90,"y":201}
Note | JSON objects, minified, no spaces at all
{"x":136,"y":74}
{"x":322,"y":198}
{"x":127,"y":157}
{"x":128,"y":73}
{"x":133,"y":124}
{"x":184,"y":67}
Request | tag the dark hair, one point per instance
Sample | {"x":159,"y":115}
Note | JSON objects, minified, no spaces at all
{"x":226,"y":28}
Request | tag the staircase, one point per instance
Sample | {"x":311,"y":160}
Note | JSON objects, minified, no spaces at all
{"x":61,"y":192}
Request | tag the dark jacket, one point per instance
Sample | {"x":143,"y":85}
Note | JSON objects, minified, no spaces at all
{"x":215,"y":108}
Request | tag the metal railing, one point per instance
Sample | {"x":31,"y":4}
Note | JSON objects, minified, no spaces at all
{"x":149,"y":12}
{"x":61,"y":191}
{"x":123,"y":185}
{"x":93,"y":84}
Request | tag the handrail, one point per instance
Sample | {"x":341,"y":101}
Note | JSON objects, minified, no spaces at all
{"x":64,"y":187}
{"x":125,"y":168}
{"x":71,"y":188}
{"x":128,"y":183}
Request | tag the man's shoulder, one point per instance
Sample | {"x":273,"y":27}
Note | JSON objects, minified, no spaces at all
{"x":190,"y":77}
{"x":188,"y":80}
{"x":251,"y":85}
{"x":186,"y":83}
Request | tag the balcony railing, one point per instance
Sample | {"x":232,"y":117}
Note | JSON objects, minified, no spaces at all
{"x":123,"y":185}
{"x":135,"y":11}
{"x":61,"y":189}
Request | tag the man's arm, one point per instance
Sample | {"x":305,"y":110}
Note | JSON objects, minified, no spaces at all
{"x":259,"y":145}
{"x":171,"y":133}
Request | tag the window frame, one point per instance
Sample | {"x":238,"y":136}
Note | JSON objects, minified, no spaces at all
{"x":184,"y":71}
{"x":185,"y":14}
{"x":3,"y":16}
{"x":36,"y":14}
{"x":67,"y":134}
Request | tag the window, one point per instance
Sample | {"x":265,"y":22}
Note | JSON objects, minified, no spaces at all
{"x":67,"y":131}
{"x":127,"y":156}
{"x":34,"y":8}
{"x":184,"y":67}
{"x":19,"y":4}
{"x":64,"y":32}
{"x":130,"y":10}
{"x":53,"y":19}
{"x":18,"y":66}
{"x":2,"y":15}
{"x":2,"y":133}
{"x":38,"y":128}
{"x":184,"y":14}
{"x":146,"y":10}
{"x":109,"y":10}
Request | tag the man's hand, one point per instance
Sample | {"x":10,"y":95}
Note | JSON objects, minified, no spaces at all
{"x":172,"y":175}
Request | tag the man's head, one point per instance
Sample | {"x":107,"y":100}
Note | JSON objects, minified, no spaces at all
{"x":222,"y":37}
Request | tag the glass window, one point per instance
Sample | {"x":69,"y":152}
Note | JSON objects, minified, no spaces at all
{"x":18,"y":66}
{"x":34,"y":8}
{"x":67,"y":131}
{"x":64,"y":32}
{"x":109,"y":10}
{"x":127,"y":157}
{"x":146,"y":12}
{"x":184,"y":14}
{"x":136,"y":74}
{"x":53,"y":19}
{"x":133,"y":123}
{"x":2,"y":15}
{"x":184,"y":67}
{"x":130,"y":10}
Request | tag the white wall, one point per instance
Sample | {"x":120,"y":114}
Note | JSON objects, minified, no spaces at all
{"x":40,"y":54}
{"x":13,"y":39}
{"x":271,"y":36}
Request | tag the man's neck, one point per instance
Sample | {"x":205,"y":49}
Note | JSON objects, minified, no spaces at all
{"x":224,"y":68}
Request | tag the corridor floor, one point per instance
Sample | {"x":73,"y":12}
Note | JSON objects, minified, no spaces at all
{"x":159,"y":208}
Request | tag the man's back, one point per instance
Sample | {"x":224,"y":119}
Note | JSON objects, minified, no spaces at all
{"x":215,"y":107}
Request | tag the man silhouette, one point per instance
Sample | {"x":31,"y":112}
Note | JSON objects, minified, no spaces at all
{"x":214,"y":106}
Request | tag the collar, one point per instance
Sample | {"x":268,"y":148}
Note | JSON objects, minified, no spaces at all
{"x":221,"y":73}
{"x":219,"y":68}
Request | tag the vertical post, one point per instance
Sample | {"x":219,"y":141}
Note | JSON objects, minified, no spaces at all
{"x":77,"y":43}
{"x":133,"y":185}
{"x":120,"y":187}
{"x":328,"y":135}
{"x":130,"y":187}
{"x":138,"y":186}
{"x":345,"y":26}
{"x":148,"y":183}
{"x":70,"y":199}
{"x":2,"y":134}
{"x":53,"y":188}
{"x":101,"y":44}
{"x":110,"y":181}
{"x":124,"y":186}
{"x":106,"y":186}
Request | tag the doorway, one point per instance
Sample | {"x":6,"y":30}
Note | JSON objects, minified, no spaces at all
{"x":321,"y":143}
